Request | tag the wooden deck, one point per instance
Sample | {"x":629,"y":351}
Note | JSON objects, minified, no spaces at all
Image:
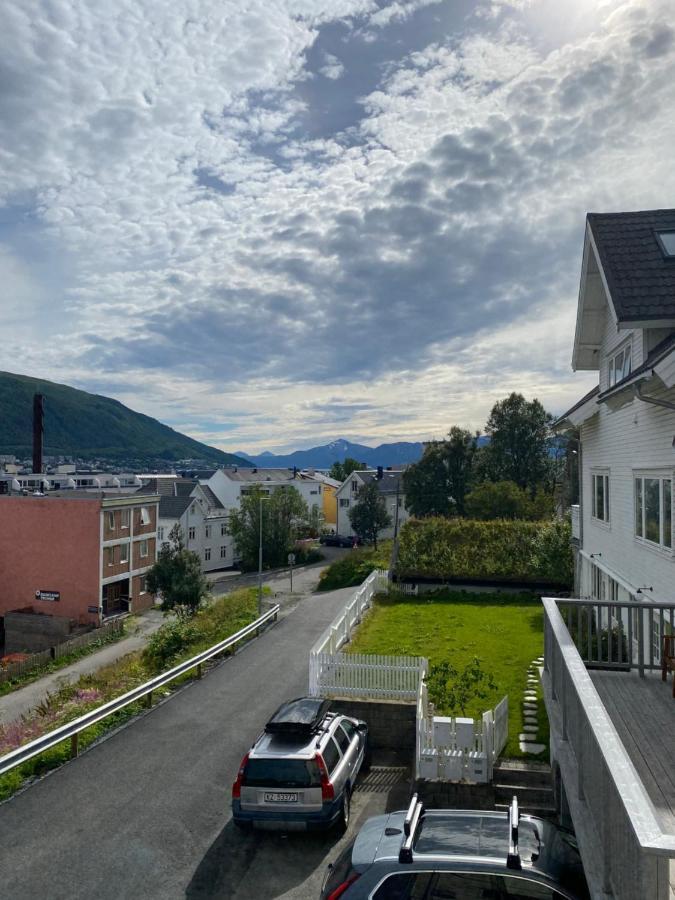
{"x":643,"y":713}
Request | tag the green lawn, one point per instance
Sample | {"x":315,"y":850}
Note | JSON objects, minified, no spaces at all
{"x":505,"y":632}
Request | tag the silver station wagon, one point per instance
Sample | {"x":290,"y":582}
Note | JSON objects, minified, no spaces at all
{"x":300,"y":772}
{"x":439,"y":854}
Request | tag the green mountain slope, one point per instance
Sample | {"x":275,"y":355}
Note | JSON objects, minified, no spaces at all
{"x":90,"y":426}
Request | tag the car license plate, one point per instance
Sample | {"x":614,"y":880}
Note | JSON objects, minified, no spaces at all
{"x":281,"y":798}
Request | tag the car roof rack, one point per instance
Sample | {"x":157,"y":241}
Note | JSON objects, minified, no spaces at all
{"x":411,"y":823}
{"x":513,"y":856}
{"x":301,"y":717}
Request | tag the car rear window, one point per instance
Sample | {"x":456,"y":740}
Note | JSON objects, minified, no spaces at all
{"x":282,"y":773}
{"x":331,"y":755}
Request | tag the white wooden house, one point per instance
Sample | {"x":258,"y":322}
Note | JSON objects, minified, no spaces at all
{"x":390,"y":486}
{"x":612,"y":719}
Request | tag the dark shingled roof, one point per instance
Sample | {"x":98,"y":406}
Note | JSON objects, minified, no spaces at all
{"x":173,"y":507}
{"x":640,"y":278}
{"x":211,"y":497}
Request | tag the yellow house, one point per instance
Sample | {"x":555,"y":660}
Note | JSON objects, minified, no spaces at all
{"x":328,"y":488}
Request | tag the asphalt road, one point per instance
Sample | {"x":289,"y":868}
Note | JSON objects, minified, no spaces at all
{"x":145,"y":813}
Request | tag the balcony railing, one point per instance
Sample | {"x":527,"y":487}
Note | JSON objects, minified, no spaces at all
{"x":627,"y":849}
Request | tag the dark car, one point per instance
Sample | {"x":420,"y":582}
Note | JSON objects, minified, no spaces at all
{"x":339,"y":540}
{"x":439,"y":854}
{"x":300,"y":773}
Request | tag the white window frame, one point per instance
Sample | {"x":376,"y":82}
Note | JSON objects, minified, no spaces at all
{"x":207,"y":531}
{"x":145,"y":515}
{"x":625,"y":351}
{"x":640,"y":516}
{"x":192,"y":533}
{"x":223,"y":529}
{"x":125,"y":517}
{"x":207,"y":554}
{"x":344,"y":502}
{"x":143,"y":548}
{"x":160,"y":533}
{"x":223,"y":552}
{"x":124,"y":553}
{"x":111,"y":520}
{"x":604,"y":518}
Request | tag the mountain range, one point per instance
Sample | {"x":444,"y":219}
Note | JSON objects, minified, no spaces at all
{"x":323,"y":457}
{"x":88,"y":426}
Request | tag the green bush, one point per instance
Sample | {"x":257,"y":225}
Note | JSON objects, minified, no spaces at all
{"x":167,"y":643}
{"x":502,"y":550}
{"x":506,"y":500}
{"x":355,"y":566}
{"x":304,"y":556}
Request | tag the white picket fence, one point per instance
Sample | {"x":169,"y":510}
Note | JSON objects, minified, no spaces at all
{"x":367,"y":676}
{"x":340,"y":629}
{"x":453,"y":748}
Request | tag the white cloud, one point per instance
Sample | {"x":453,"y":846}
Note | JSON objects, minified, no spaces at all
{"x":222,"y":266}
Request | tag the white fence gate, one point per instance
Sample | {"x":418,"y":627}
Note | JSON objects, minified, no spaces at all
{"x":452,"y":748}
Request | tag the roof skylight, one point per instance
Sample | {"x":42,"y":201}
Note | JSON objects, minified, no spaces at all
{"x":667,"y":241}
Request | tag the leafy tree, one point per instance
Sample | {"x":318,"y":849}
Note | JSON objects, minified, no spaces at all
{"x":497,"y":500}
{"x":369,"y":515}
{"x":341,"y":470}
{"x":177,"y":576}
{"x":519,"y":432}
{"x":454,"y":690}
{"x":284,"y":516}
{"x":437,"y":484}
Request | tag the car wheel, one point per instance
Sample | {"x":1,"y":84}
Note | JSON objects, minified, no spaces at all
{"x":343,"y":821}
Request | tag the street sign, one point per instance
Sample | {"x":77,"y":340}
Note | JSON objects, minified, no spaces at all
{"x":53,"y":596}
{"x":291,"y":559}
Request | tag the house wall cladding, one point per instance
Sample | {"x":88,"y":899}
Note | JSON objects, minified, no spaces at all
{"x":638,"y":437}
{"x":390,"y":725}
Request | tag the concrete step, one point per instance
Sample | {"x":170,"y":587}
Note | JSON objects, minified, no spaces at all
{"x":542,"y":812}
{"x":526,"y":772}
{"x":528,"y":797}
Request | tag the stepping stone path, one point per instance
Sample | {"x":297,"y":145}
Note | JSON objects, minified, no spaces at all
{"x":527,"y":740}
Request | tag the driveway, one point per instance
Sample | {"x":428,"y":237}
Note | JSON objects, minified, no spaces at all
{"x":145,"y":813}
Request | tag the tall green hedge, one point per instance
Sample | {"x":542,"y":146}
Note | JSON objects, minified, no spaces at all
{"x":508,"y":550}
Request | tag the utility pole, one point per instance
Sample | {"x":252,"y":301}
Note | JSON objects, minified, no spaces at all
{"x":260,"y":557}
{"x":398,"y":483}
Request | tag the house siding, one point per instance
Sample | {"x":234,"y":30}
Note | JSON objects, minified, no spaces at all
{"x":637,"y":437}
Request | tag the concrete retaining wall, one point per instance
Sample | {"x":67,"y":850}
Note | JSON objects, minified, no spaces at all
{"x":391,"y":725}
{"x":31,"y":632}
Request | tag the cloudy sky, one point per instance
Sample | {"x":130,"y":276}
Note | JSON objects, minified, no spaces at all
{"x":270,"y":223}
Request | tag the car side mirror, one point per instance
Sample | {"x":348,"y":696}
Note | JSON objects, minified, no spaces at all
{"x":362,"y":727}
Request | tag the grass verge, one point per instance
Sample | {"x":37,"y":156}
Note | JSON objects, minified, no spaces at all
{"x":353,"y":568}
{"x":223,"y":617}
{"x":504,"y":631}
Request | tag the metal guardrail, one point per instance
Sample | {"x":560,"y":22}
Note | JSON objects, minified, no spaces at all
{"x":72,"y":729}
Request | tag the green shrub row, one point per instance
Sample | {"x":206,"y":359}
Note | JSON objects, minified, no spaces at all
{"x":355,"y":566}
{"x":509,"y":550}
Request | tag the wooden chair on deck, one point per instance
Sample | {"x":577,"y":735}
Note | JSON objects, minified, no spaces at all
{"x":668,"y":658}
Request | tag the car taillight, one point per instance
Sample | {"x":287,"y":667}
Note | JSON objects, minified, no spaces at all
{"x":341,"y":888}
{"x":236,"y":787}
{"x":327,"y":789}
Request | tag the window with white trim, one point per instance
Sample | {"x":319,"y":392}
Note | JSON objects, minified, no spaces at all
{"x":142,"y":585}
{"x":653,"y":509}
{"x":111,"y":521}
{"x":124,"y":553}
{"x":619,"y":365}
{"x":192,"y":531}
{"x":145,"y":515}
{"x":143,"y":548}
{"x":126,"y":517}
{"x":223,"y":529}
{"x":207,"y":531}
{"x":160,"y":533}
{"x":344,"y":502}
{"x":207,"y":554}
{"x":600,"y":497}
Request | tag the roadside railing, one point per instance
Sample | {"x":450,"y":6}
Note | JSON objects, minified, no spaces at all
{"x":626,"y":849}
{"x":72,"y":730}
